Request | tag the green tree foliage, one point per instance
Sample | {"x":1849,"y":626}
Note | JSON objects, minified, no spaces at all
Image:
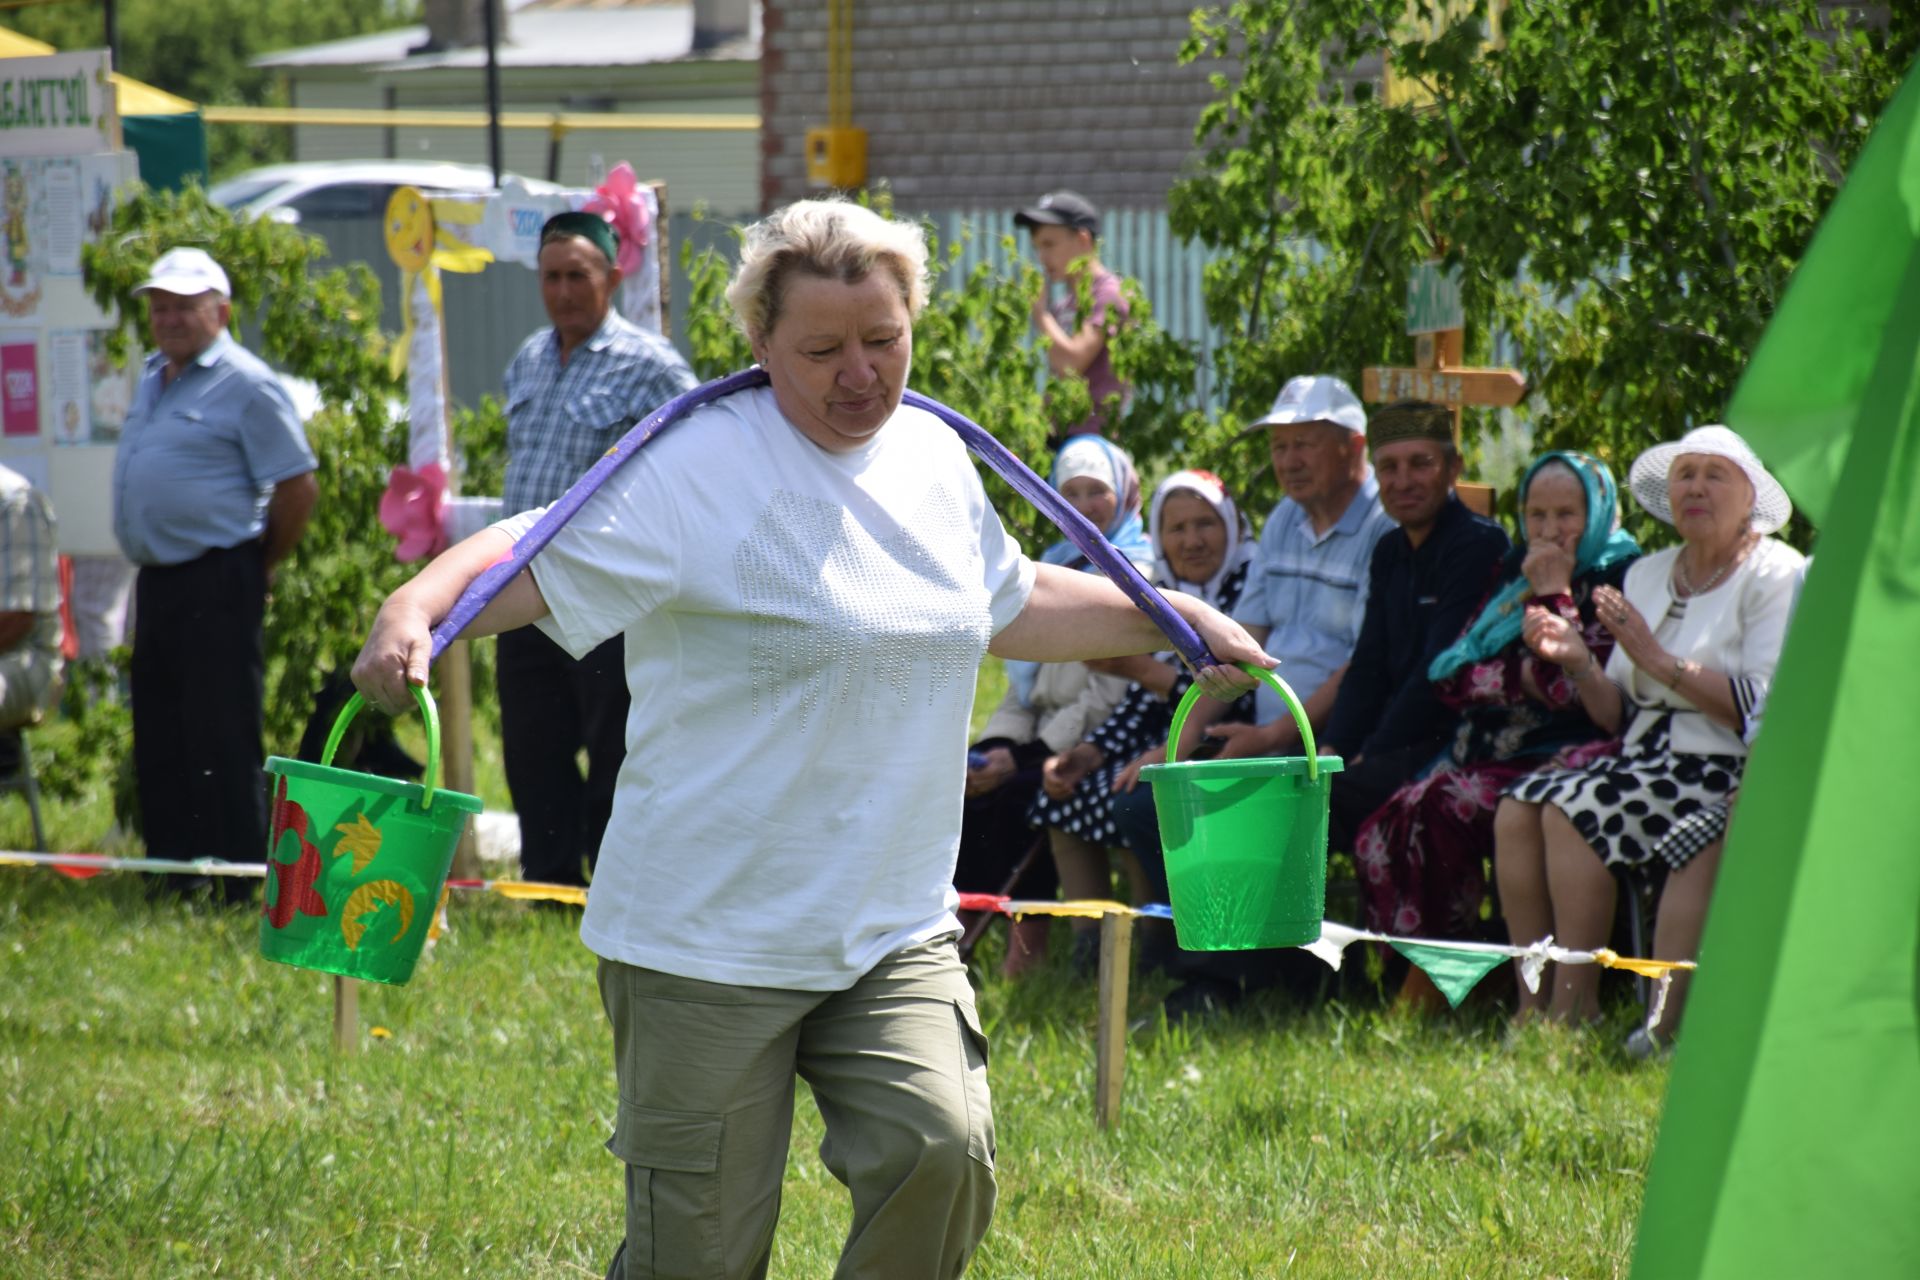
{"x":323,"y":326}
{"x":200,"y":49}
{"x":1626,"y":186}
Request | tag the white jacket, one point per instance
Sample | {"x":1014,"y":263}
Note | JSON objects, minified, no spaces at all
{"x":1736,"y":629}
{"x":1069,"y":702}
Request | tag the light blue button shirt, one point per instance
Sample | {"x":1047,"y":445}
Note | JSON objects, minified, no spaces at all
{"x":1310,"y":591}
{"x":199,"y":456}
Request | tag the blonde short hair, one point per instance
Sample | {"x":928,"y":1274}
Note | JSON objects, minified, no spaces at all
{"x":831,"y":239}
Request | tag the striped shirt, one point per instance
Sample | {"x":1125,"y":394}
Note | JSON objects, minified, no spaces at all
{"x":562,"y":417}
{"x":1310,"y":591}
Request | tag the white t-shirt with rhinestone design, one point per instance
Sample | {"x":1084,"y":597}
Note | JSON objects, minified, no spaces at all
{"x":803,"y":632}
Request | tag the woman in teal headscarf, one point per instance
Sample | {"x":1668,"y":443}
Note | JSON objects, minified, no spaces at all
{"x":1421,"y":855}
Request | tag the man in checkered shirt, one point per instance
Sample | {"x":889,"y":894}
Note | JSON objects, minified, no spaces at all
{"x":29,"y":602}
{"x":572,"y":391}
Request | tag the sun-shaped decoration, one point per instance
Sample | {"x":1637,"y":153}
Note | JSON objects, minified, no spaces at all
{"x":359,"y":838}
{"x":409,"y":229}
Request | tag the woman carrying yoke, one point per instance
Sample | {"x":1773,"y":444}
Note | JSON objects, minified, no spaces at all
{"x":807,"y":576}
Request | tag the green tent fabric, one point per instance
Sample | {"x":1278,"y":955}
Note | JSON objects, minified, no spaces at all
{"x":171,"y":148}
{"x":1454,"y":972}
{"x":1790,"y":1144}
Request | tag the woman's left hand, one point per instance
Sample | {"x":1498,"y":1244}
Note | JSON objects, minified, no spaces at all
{"x":1230,"y":643}
{"x":1628,"y":627}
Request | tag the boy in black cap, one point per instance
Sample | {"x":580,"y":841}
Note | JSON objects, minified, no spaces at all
{"x":1064,"y":226}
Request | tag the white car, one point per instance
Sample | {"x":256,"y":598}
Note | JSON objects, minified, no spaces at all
{"x":324,"y":189}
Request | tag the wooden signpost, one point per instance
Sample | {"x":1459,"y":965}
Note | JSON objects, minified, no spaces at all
{"x":1437,"y":324}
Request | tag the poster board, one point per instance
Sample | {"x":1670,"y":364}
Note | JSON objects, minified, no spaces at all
{"x":62,"y":400}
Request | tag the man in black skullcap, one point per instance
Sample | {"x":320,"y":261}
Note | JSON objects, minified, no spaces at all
{"x":1426,"y":579}
{"x":573,"y":389}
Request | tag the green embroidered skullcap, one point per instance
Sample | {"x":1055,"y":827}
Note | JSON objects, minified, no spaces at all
{"x":588,"y":226}
{"x":1410,"y":420}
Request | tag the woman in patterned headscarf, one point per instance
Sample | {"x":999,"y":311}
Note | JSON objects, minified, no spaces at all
{"x":1421,"y":855}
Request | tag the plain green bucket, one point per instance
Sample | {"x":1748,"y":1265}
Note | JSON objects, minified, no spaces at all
{"x":355,"y":862}
{"x":1245,"y":840}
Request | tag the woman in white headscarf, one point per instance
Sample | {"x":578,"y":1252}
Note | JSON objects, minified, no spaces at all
{"x":1049,"y":706}
{"x":1202,"y":545}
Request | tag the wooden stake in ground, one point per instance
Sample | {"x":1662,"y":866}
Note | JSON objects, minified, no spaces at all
{"x":1110,"y":1030}
{"x":456,"y":747}
{"x":346,"y":1016}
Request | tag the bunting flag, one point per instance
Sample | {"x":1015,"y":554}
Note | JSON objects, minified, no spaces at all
{"x":1454,"y":972}
{"x":1788,"y":1145}
{"x":1455,"y":967}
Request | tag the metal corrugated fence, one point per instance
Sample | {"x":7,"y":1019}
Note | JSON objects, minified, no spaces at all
{"x":490,"y":314}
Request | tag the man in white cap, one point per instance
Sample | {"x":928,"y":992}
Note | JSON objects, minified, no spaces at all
{"x":1307,"y":590}
{"x":1306,"y":593}
{"x":212,"y":487}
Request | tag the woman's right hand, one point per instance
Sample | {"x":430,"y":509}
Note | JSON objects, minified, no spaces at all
{"x":1553,"y":638}
{"x":1548,"y":569}
{"x":992,"y":775}
{"x":394,"y":659}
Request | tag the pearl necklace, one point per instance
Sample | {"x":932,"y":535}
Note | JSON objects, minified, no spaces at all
{"x":1687,"y":588}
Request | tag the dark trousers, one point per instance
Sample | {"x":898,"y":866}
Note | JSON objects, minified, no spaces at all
{"x":197,"y":681}
{"x":551,"y":707}
{"x":995,"y":835}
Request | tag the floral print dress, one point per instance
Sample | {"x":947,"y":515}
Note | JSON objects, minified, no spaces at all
{"x":1422,"y":854}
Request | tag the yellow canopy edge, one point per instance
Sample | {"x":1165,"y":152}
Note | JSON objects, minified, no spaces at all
{"x":132,"y":97}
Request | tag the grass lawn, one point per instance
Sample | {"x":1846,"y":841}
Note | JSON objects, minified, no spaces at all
{"x":172,"y":1108}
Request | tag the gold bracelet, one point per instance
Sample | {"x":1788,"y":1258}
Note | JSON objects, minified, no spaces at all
{"x":1583,"y":672}
{"x":1680,"y":668}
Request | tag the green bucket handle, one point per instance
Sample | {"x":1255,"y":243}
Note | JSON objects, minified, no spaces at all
{"x":1280,"y":687}
{"x":428,"y":712}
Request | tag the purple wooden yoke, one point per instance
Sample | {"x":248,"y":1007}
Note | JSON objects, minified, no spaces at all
{"x":1075,"y":526}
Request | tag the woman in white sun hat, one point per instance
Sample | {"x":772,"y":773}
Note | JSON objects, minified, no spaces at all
{"x":1698,"y":628}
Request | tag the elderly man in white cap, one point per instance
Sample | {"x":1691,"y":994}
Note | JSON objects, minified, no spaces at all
{"x":212,"y":487}
{"x":1307,"y":590}
{"x":1306,"y":593}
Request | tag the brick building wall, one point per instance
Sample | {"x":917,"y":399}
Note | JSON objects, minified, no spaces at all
{"x":990,"y":102}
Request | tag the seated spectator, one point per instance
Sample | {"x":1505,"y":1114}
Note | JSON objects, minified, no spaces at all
{"x":1305,"y":595}
{"x":1307,"y":591}
{"x":30,"y":659}
{"x":1048,"y":707}
{"x":1426,"y":578}
{"x":1205,"y":548}
{"x":1420,"y":855}
{"x":1682,"y":913}
{"x":1697,"y":630}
